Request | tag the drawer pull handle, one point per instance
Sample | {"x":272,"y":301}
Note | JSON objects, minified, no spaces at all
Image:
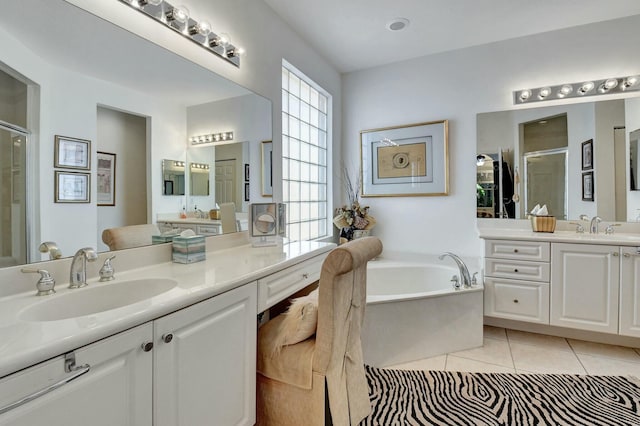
{"x":305,"y":275}
{"x":615,"y":254}
{"x":70,"y":367}
{"x":515,"y":250}
{"x":515,"y":270}
{"x":147,"y":346}
{"x":515,"y":301}
{"x":167,"y":338}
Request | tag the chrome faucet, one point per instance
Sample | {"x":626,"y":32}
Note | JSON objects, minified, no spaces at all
{"x":78,"y":275}
{"x":465,"y":278}
{"x":593,"y":228}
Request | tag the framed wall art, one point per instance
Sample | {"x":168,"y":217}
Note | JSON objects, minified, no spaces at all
{"x":246,"y":173}
{"x":587,"y":155}
{"x":587,"y":186}
{"x":403,"y":161}
{"x":72,"y":187}
{"x":106,"y":193}
{"x":72,"y":153}
{"x":247,"y":192}
{"x":267,"y":173}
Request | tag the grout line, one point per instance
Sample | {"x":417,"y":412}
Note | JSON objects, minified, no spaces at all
{"x":446,"y":358}
{"x":577,"y":357}
{"x":510,"y":351}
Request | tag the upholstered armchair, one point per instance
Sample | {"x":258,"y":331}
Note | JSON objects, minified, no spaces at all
{"x":322,"y":378}
{"x":129,"y":236}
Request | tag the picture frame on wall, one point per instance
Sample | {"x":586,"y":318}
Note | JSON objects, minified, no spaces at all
{"x":106,"y":192}
{"x":72,"y":187}
{"x":72,"y":153}
{"x":246,"y":173}
{"x":267,"y":164}
{"x":247,"y":193}
{"x":404,"y":161}
{"x":587,"y":155}
{"x":587,"y":186}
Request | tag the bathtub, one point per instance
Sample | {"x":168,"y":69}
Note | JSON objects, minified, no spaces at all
{"x":414,"y":312}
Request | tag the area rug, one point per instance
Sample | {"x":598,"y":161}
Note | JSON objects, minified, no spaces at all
{"x":453,"y":398}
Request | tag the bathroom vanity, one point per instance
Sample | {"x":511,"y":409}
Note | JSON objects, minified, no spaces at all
{"x":183,"y":356}
{"x":576,"y":281}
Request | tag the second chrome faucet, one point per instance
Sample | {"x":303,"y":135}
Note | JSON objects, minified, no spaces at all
{"x":78,"y":274}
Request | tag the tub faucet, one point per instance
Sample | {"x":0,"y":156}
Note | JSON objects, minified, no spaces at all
{"x":78,"y":275}
{"x":593,"y":228}
{"x":464,"y":272}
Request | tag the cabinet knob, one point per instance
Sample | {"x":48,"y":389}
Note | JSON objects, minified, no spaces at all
{"x":515,"y":270}
{"x":615,"y":254}
{"x":626,"y":255}
{"x":515,"y":301}
{"x":305,"y":275}
{"x":147,"y":346}
{"x":167,"y":338}
{"x":515,"y":250}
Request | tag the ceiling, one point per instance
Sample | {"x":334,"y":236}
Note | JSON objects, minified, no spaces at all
{"x":352,"y":34}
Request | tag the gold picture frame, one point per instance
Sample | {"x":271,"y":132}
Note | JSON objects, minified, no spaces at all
{"x":72,"y":153}
{"x":72,"y":187}
{"x":405,"y":161}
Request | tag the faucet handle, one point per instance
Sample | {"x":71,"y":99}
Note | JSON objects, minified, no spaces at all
{"x":107,"y":272}
{"x":456,"y":282}
{"x":579,"y":227}
{"x":474,"y":280}
{"x":609,"y":229}
{"x":45,"y":284}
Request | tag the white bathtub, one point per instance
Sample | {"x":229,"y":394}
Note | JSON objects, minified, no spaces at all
{"x":414,"y":312}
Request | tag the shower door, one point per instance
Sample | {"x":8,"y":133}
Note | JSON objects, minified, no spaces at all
{"x":546,"y":181}
{"x":13,"y":199}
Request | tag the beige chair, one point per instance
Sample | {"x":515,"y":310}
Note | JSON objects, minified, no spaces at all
{"x":294,"y":383}
{"x":228,"y":218}
{"x":129,"y":236}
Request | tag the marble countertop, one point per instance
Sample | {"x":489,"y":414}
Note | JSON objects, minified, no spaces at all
{"x":24,"y":343}
{"x":618,"y":239}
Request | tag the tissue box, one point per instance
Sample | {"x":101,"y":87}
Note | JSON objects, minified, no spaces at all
{"x":543,"y":223}
{"x":214,"y":214}
{"x":161,"y":239}
{"x":188,"y":249}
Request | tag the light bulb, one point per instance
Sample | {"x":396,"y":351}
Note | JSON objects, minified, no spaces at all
{"x":565,"y":90}
{"x":179,"y":14}
{"x":586,"y":87}
{"x":525,"y":94}
{"x":544,"y":92}
{"x":235,"y":52}
{"x":629,"y":81}
{"x":611,"y":83}
{"x":203,"y":28}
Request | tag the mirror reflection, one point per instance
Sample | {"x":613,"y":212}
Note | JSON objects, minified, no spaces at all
{"x":535,"y":156}
{"x":634,"y":159}
{"x":125,"y":104}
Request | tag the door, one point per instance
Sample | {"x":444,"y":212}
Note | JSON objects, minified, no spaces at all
{"x":226,"y":181}
{"x":545,"y":181}
{"x":115,"y":391}
{"x":585,"y":286}
{"x":630,"y":292}
{"x":205,"y":362}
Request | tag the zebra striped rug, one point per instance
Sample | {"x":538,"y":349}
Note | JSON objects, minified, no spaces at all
{"x":450,"y":398}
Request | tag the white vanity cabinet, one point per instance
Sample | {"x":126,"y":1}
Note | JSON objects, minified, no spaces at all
{"x":116,"y":390}
{"x":585,"y":286}
{"x":204,"y":362}
{"x":214,"y":228}
{"x":516,"y":280}
{"x":630,"y":291}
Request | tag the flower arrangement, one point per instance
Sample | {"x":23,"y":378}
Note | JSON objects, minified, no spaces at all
{"x":352,"y":217}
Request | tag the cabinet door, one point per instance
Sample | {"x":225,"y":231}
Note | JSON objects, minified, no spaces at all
{"x":585,"y":286}
{"x":630,"y":292}
{"x":205,"y":362}
{"x":115,"y":391}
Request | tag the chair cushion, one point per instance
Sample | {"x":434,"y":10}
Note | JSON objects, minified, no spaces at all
{"x":292,"y":364}
{"x":300,"y":321}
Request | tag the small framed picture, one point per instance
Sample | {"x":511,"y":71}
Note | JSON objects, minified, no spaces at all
{"x":72,"y":153}
{"x":246,"y":191}
{"x":587,"y":155}
{"x":72,"y":187}
{"x":106,"y":193}
{"x":587,"y":186}
{"x":246,"y":173}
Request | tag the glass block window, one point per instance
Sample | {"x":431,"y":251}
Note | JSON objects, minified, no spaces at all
{"x":305,"y":156}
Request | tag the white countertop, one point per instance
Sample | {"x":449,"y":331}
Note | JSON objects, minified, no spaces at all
{"x":618,"y":239}
{"x":24,"y":343}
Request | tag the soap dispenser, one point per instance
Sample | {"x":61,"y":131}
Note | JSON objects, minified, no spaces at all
{"x":183,"y":213}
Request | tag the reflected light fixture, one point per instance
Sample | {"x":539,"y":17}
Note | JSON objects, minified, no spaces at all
{"x":200,"y":166}
{"x":605,"y":86}
{"x":200,"y":32}
{"x":211,"y":138}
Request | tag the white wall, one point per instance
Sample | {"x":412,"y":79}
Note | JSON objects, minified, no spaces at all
{"x":632,"y":119}
{"x":456,"y":86}
{"x":607,"y":116}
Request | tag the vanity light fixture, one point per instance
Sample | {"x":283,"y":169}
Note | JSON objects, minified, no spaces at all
{"x":200,"y":166}
{"x":178,"y":163}
{"x":211,"y":138}
{"x":573,"y":90}
{"x":178,"y":19}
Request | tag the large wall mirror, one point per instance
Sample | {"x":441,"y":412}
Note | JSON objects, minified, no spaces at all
{"x":79,"y":76}
{"x":575,"y":159}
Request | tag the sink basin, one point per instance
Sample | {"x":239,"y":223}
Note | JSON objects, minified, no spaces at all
{"x":100,"y":298}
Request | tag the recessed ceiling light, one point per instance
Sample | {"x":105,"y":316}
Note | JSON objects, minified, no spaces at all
{"x":397,"y":24}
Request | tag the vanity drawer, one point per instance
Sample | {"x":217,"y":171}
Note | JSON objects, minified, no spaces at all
{"x":208,"y":230}
{"x":517,"y":300}
{"x":274,"y":288}
{"x":518,"y":269}
{"x":520,"y":250}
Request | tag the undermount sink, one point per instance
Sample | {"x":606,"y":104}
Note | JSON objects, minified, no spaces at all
{"x":92,"y":300}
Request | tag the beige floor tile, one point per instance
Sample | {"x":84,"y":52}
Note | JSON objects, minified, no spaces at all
{"x":455,"y":363}
{"x":609,"y":351}
{"x":493,"y":352}
{"x":600,"y":366}
{"x":541,"y":359}
{"x":540,"y":340}
{"x":491,"y":332}
{"x":434,"y":363}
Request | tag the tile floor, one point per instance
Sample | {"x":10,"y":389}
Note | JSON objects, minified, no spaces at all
{"x":511,"y":351}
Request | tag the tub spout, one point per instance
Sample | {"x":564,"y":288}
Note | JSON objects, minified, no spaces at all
{"x":465,"y":278}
